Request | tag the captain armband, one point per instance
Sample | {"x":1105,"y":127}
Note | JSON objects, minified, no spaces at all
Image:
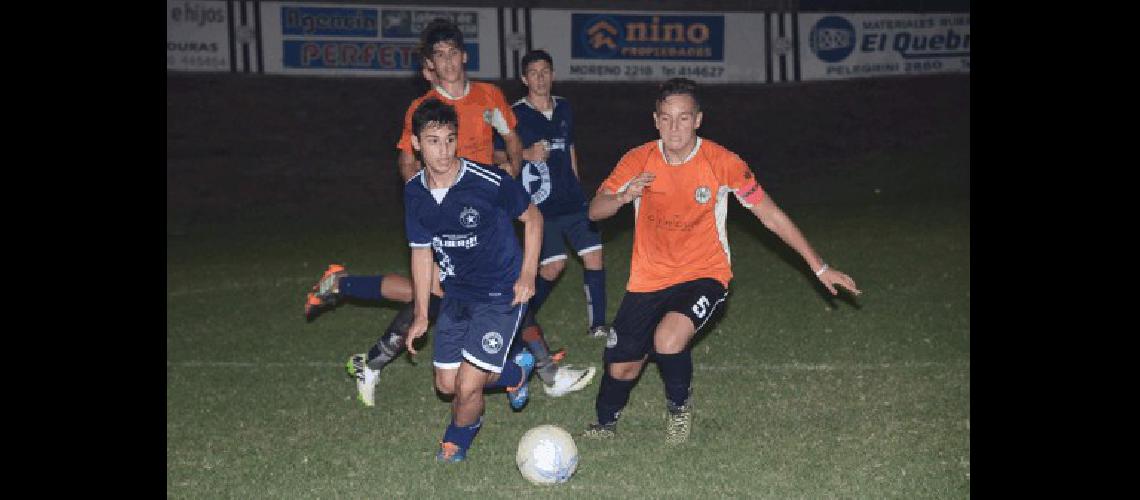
{"x":751,"y":193}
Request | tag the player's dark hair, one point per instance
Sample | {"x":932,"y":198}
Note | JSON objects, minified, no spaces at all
{"x":535,"y":55}
{"x":440,"y":30}
{"x":433,"y":112}
{"x":679,"y":86}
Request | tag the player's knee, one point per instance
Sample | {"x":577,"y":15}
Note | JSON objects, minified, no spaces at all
{"x":593,"y":261}
{"x":445,"y":385}
{"x":551,"y":270}
{"x":670,"y":344}
{"x":673,"y":333}
{"x":670,"y":347}
{"x":445,"y":388}
{"x":625,"y":371}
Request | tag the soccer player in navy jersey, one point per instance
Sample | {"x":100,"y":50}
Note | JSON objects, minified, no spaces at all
{"x":458,"y":214}
{"x":444,"y":54}
{"x":550,"y":174}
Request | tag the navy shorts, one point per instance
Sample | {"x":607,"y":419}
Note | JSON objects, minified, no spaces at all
{"x":582,"y":233}
{"x":477,"y":332}
{"x":640,"y":312}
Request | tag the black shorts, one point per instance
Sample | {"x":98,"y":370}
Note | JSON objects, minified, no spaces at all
{"x":640,"y":312}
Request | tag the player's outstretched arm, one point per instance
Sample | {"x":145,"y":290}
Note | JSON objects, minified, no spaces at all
{"x":779,"y":223}
{"x":421,"y":282}
{"x":532,"y":243}
{"x":606,"y":203}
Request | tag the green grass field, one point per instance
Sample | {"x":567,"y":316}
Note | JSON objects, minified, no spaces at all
{"x":797,"y":395}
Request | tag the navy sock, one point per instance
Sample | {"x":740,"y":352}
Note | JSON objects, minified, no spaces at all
{"x":542,"y":289}
{"x":361,"y":287}
{"x":528,"y":319}
{"x":612,"y":397}
{"x":677,"y":374}
{"x":594,"y":282}
{"x":511,"y":375}
{"x":462,"y":436}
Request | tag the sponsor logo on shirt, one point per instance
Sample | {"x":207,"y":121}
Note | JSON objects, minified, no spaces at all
{"x":672,"y":223}
{"x":455,"y":241}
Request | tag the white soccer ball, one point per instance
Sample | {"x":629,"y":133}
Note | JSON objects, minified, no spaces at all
{"x":547,"y":455}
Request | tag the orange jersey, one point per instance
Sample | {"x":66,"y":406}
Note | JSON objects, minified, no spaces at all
{"x":475,"y":128}
{"x":679,"y":231}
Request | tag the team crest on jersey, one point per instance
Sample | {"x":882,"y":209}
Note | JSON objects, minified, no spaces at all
{"x":469,"y":218}
{"x":703,"y":194}
{"x":536,"y":180}
{"x":492,"y":342}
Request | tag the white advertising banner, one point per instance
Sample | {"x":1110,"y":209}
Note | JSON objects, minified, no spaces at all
{"x":843,"y":45}
{"x":368,"y":40}
{"x":197,"y":36}
{"x":595,"y":45}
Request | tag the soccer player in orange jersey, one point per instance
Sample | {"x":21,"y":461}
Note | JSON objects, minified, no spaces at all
{"x":481,"y":106}
{"x":680,"y":269}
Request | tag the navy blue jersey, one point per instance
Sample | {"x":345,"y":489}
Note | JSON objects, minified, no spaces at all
{"x":552,"y":185}
{"x":470,"y":232}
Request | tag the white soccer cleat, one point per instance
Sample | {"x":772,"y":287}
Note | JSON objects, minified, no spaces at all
{"x":365,"y":377}
{"x":568,"y":380}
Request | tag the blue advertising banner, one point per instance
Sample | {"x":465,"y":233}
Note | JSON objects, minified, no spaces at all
{"x":647,"y":37}
{"x":347,"y":54}
{"x":324,"y":21}
{"x":368,"y":40}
